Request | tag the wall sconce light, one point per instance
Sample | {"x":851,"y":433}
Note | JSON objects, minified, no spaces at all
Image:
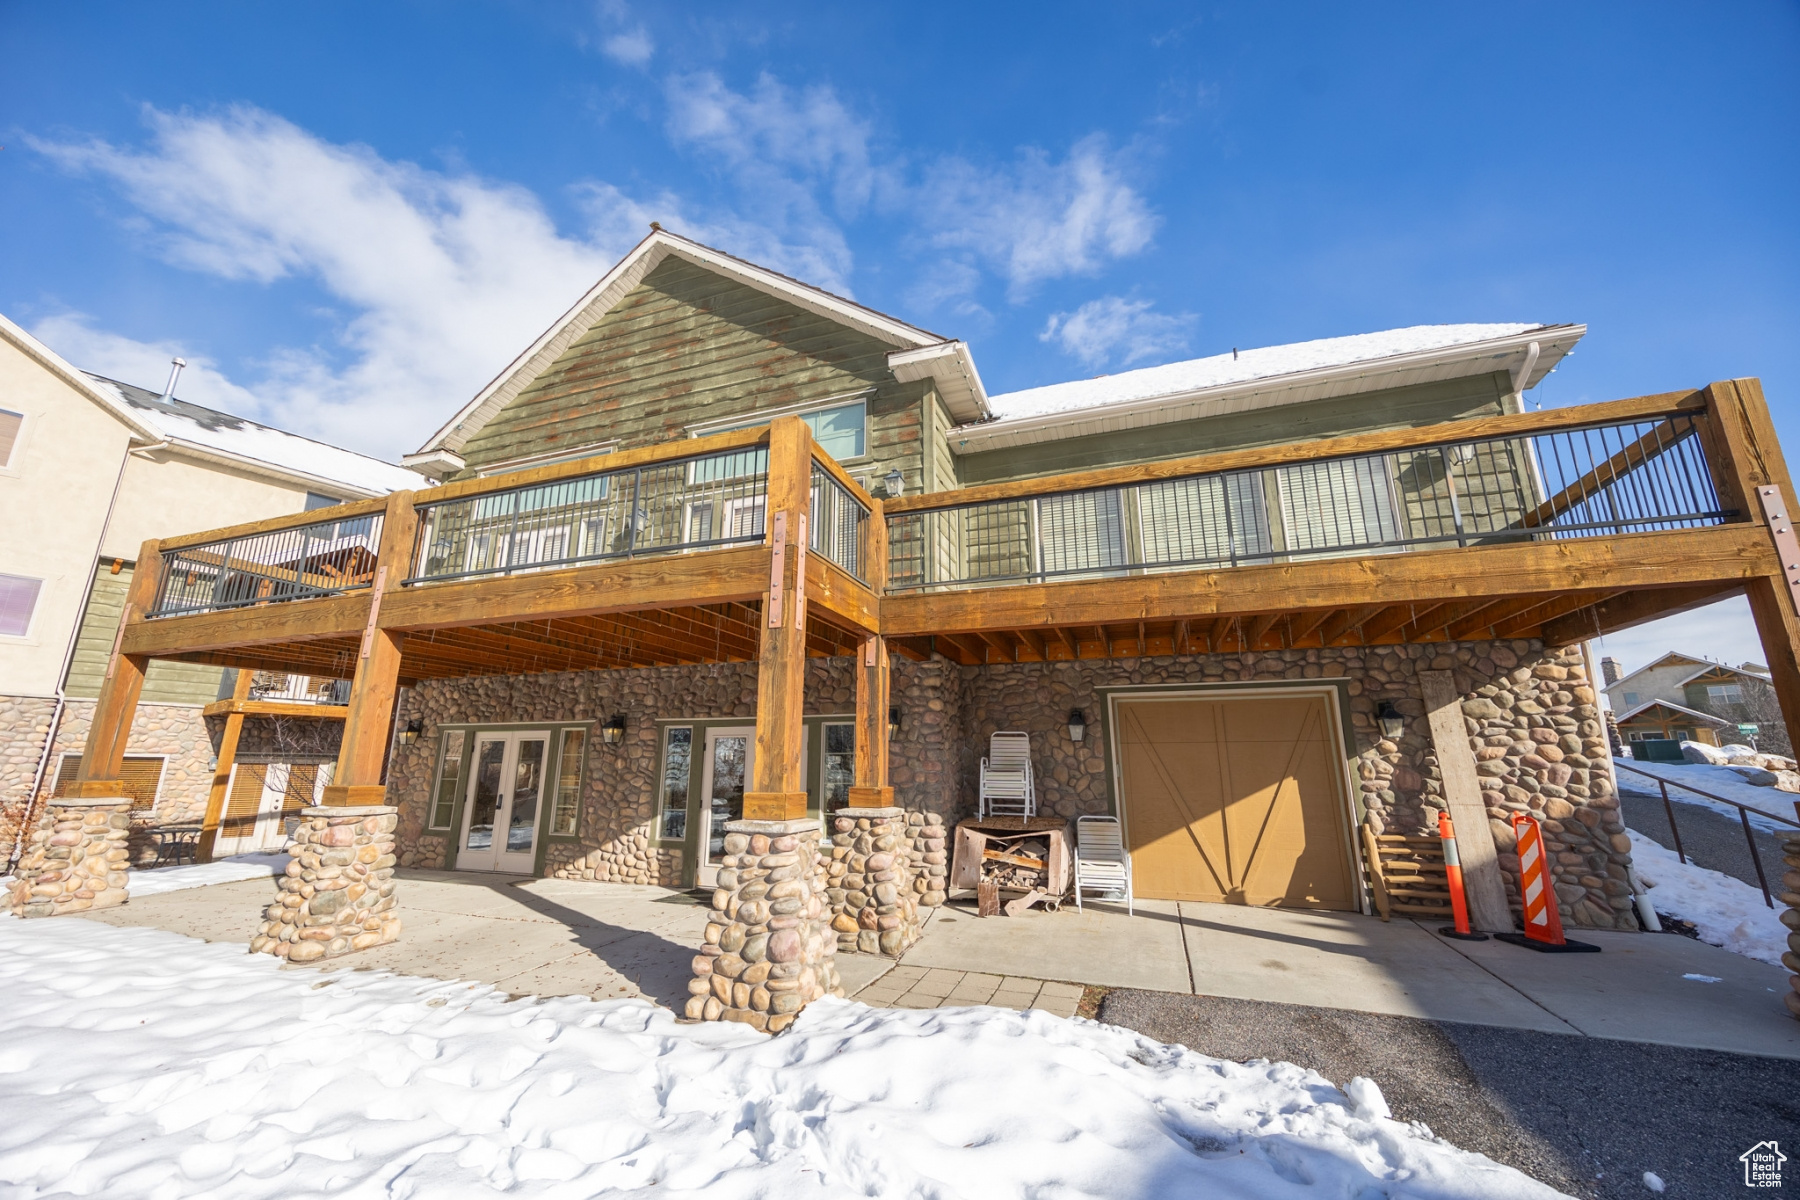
{"x":895,"y":482}
{"x":1077,"y":725}
{"x":613,"y":732}
{"x":893,"y":723}
{"x":409,"y":732}
{"x":1392,"y":723}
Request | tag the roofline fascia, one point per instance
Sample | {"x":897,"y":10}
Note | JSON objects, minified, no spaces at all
{"x":213,"y":454}
{"x":1650,"y":666}
{"x":1670,"y":704}
{"x":1388,"y":365}
{"x":60,"y":367}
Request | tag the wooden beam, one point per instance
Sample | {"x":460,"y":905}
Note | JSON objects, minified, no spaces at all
{"x":1003,"y":643}
{"x":1346,"y":622}
{"x":315,"y":516}
{"x":1389,"y":621}
{"x":1480,"y":623}
{"x":777,"y":793}
{"x":968,"y":651}
{"x":1553,"y":606}
{"x":109,"y":730}
{"x":296,"y":621}
{"x":273,"y":708}
{"x":1632,"y":608}
{"x":1068,"y":641}
{"x":603,"y":464}
{"x":1305,"y":624}
{"x":1725,"y":554}
{"x":1467,"y":430}
{"x":221,"y":780}
{"x":872,"y":697}
{"x":836,"y":595}
{"x":368,"y":726}
{"x":1485,"y":889}
{"x":1258,"y":628}
{"x":1034,"y":642}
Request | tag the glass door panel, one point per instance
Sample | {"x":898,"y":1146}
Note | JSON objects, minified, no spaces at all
{"x":729,"y":761}
{"x":501,"y":813}
{"x":522,"y":804}
{"x":484,"y":796}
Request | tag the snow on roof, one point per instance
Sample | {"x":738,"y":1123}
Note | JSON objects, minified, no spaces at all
{"x":209,"y":430}
{"x":1241,"y":366}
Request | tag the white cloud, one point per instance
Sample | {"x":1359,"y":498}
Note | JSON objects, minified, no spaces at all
{"x":448,"y":276}
{"x":146,"y":364}
{"x":1113,"y":325}
{"x":632,"y":48}
{"x":1038,"y":219}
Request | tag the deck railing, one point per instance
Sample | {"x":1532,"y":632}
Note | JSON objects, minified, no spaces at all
{"x":1600,"y":480}
{"x":324,"y":558}
{"x":665,"y":507}
{"x":835,"y":525}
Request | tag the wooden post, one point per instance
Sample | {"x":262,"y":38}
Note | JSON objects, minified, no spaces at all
{"x":1745,"y":455}
{"x":368,"y":723}
{"x":873,"y":694}
{"x":781,"y":664}
{"x":221,"y":781}
{"x":103,"y":757}
{"x":1482,"y":884}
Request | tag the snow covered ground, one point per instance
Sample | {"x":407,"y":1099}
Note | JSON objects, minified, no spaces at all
{"x":1726,"y":911}
{"x":1720,"y":781}
{"x":224,"y":870}
{"x":138,"y":1063}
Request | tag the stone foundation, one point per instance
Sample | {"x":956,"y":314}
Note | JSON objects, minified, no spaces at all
{"x":76,"y":859}
{"x":1790,"y":916}
{"x":870,"y":882}
{"x":338,"y":893}
{"x":769,"y":951}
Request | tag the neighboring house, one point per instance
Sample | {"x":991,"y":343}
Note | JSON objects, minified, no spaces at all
{"x":90,"y":468}
{"x":1682,"y":696}
{"x":1247,"y":603}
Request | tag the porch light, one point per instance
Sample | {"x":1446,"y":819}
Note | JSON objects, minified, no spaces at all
{"x":613,"y":732}
{"x":896,"y":483}
{"x":409,"y":733}
{"x":1077,"y":725}
{"x":1393,"y":724}
{"x":893,"y":723}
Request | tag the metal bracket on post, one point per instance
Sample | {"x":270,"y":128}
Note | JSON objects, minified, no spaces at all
{"x":368,"y":637}
{"x":1781,"y":529}
{"x":777,"y":565}
{"x":800,"y":577}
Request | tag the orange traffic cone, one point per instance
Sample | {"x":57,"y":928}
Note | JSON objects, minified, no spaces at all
{"x":1459,"y":900}
{"x":1543,"y":925}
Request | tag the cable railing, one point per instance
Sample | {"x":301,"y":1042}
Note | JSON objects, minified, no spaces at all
{"x":326,"y":558}
{"x":675,"y":506}
{"x":1601,"y":480}
{"x":1744,"y":811}
{"x":835,"y":525}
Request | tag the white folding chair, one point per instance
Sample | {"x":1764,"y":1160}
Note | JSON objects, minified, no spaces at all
{"x":1007,"y":786}
{"x":1101,"y":861}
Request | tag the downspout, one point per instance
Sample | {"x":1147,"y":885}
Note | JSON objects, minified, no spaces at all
{"x":1521,"y":378}
{"x":62,"y":678}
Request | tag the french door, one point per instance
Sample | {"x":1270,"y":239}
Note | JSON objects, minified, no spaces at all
{"x":500,"y":815}
{"x":726,"y":769}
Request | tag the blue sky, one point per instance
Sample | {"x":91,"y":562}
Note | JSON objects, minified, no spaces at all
{"x":349,"y":216}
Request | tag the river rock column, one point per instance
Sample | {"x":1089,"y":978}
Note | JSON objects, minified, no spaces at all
{"x":76,"y":860}
{"x":768,"y":951}
{"x":338,"y":893}
{"x":874,"y":906}
{"x":1790,"y":916}
{"x":929,"y":857}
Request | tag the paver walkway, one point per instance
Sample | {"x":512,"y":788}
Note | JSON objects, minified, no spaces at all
{"x":907,"y":986}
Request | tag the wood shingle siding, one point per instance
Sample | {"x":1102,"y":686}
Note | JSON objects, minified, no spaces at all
{"x":686,"y":347}
{"x":1393,"y":408}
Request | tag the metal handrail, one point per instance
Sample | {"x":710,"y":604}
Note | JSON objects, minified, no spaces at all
{"x":1744,"y":811}
{"x":1608,"y":478}
{"x":300,"y":562}
{"x":836,"y":527}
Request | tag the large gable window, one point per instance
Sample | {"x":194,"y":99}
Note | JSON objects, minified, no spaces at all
{"x":840,"y":429}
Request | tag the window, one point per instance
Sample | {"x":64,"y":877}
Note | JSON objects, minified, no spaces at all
{"x":678,"y":753}
{"x":315,"y":500}
{"x":564,"y":816}
{"x":1631,"y":699}
{"x":841,"y":430}
{"x":18,"y":598}
{"x":141,"y":776}
{"x":1724,"y":693}
{"x":449,"y":783}
{"x":10,"y":424}
{"x":840,"y":766}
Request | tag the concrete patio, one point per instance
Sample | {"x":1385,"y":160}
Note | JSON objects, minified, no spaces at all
{"x":554,"y":937}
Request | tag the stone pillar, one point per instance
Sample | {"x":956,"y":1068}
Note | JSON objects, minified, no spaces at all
{"x":76,"y":859}
{"x":929,"y":857}
{"x":338,"y":893}
{"x":768,"y":952}
{"x":1790,"y":916}
{"x":869,"y":882}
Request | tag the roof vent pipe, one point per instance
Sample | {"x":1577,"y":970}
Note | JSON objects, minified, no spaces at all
{"x":175,"y":365}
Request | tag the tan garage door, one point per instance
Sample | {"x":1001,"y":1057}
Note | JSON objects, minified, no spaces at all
{"x":1237,"y":800}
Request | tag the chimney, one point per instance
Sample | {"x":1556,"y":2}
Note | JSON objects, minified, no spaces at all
{"x":1609,"y":671}
{"x":175,"y":365}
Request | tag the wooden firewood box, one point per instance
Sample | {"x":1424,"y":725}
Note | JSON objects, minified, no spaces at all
{"x":1016,"y":854}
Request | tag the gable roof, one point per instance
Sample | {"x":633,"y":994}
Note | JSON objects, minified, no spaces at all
{"x":1683,"y":709}
{"x":945,"y":359}
{"x":1674,"y":657}
{"x":1268,"y":377}
{"x":221,"y":437}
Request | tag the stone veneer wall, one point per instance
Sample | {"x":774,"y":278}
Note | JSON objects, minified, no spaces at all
{"x":24,"y":723}
{"x":1530,"y":712}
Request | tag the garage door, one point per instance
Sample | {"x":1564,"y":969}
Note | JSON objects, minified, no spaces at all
{"x":1236,"y":800}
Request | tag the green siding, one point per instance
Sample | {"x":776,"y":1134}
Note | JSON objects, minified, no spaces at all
{"x":164,"y":683}
{"x":940,"y":464}
{"x":1392,"y":408}
{"x":686,"y":347}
